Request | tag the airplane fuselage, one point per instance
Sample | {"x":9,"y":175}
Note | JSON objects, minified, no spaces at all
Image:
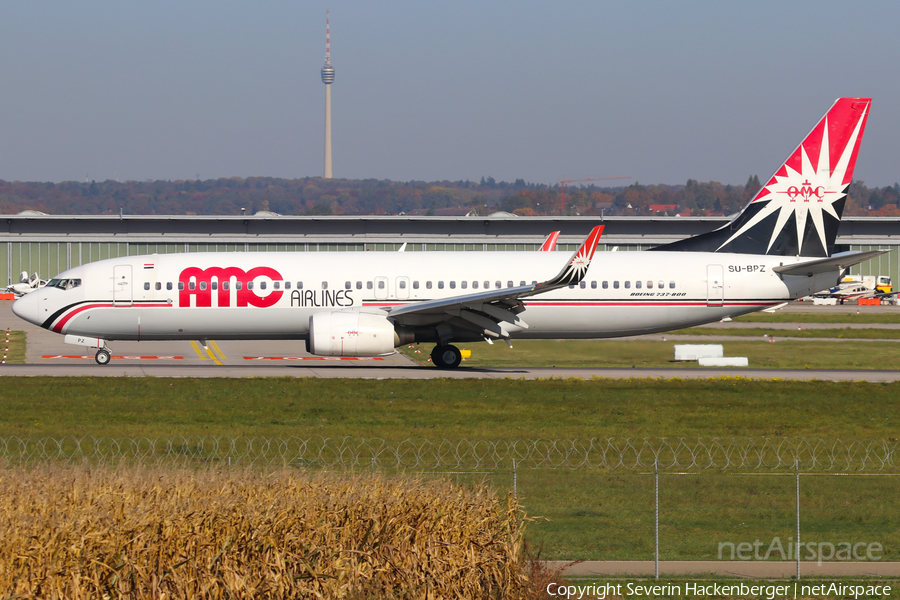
{"x":273,"y":295}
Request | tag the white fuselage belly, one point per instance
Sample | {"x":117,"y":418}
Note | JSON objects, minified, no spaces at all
{"x":697,"y":288}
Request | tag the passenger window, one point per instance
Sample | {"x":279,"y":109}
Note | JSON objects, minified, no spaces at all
{"x":368,"y":285}
{"x":415,"y":285}
{"x":249,"y":285}
{"x":605,"y":285}
{"x":627,"y":285}
{"x":324,"y":285}
{"x":572,"y":286}
{"x":158,"y":286}
{"x":238,"y":285}
{"x":474,"y":285}
{"x":168,"y":285}
{"x":402,"y":284}
{"x":203,"y":286}
{"x":192,"y":285}
{"x":359,"y":285}
{"x":521,"y":283}
{"x":462,"y":284}
{"x":452,"y":285}
{"x":277,"y":285}
{"x":672,"y":285}
{"x":615,"y":284}
{"x":440,"y":285}
{"x":650,"y":285}
{"x":593,"y":285}
{"x":348,"y":285}
{"x":582,"y":285}
{"x":299,"y":285}
{"x":226,"y":285}
{"x":262,"y":285}
{"x":180,"y":285}
{"x":381,"y":285}
{"x":661,"y":285}
{"x":637,"y":285}
{"x":147,"y":285}
{"x":509,"y":284}
{"x":427,"y":285}
{"x":287,"y":285}
{"x":214,"y":285}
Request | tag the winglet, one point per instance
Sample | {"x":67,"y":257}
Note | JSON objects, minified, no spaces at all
{"x":577,"y":266}
{"x":550,"y":243}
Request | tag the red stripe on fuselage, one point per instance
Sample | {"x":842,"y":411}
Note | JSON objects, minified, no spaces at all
{"x":61,"y":322}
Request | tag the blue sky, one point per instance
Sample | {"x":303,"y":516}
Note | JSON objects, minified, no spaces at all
{"x":658,"y":91}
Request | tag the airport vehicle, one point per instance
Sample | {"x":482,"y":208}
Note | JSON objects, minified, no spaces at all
{"x":366,"y":304}
{"x":26,"y":285}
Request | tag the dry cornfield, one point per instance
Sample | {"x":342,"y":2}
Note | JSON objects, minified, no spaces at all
{"x":73,"y":533}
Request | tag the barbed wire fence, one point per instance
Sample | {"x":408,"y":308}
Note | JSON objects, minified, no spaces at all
{"x":613,"y":454}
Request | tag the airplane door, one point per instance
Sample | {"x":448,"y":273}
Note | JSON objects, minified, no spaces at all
{"x":381,"y":288}
{"x":403,"y":287}
{"x":715,"y":285}
{"x":122,"y":285}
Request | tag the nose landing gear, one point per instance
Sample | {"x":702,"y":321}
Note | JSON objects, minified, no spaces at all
{"x":102,"y":357}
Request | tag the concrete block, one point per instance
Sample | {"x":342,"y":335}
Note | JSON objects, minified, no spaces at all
{"x":696,"y":351}
{"x":730,"y":361}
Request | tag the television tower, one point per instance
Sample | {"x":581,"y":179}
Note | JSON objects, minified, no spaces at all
{"x":327,"y":79}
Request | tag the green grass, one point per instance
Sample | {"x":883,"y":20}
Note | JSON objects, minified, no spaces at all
{"x":782,"y":354}
{"x":15,"y":348}
{"x":471,"y":408}
{"x":823,"y":317}
{"x":842,"y":332}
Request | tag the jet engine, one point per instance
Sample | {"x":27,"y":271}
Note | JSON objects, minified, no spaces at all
{"x":354,"y":334}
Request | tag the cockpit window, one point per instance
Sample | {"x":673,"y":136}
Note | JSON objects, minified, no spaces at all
{"x":64,"y":284}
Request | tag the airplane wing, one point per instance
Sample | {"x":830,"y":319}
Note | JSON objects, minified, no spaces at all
{"x":483,"y":312}
{"x":839,"y":261}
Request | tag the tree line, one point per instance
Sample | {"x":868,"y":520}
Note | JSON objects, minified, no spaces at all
{"x":319,"y":196}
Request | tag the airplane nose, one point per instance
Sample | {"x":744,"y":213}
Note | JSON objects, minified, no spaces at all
{"x":28,"y":307}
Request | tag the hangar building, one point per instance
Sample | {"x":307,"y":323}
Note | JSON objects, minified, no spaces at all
{"x":50,"y":244}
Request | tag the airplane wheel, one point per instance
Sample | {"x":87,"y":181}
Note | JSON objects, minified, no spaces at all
{"x":446,"y":357}
{"x":102,"y":357}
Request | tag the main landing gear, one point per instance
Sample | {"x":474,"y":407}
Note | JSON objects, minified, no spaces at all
{"x":446,"y":356}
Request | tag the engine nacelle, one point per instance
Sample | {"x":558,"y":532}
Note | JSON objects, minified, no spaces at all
{"x":352,"y":334}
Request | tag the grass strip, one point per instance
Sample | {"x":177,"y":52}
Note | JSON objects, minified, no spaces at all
{"x":655,"y":354}
{"x":840,"y":333}
{"x":862,"y":316}
{"x":468,"y":408}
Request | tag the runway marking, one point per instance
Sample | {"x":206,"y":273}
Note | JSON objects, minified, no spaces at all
{"x":217,"y":350}
{"x":313,"y":358}
{"x":203,"y":352}
{"x":123,"y":356}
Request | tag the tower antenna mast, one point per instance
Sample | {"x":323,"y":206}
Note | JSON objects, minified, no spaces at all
{"x":327,"y":79}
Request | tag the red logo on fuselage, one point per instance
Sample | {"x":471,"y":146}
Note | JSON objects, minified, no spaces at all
{"x":199,"y":283}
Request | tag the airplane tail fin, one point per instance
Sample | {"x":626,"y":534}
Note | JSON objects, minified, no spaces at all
{"x":797,"y":212}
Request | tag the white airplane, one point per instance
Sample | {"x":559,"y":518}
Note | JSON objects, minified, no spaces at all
{"x":26,"y":285}
{"x":368,"y":303}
